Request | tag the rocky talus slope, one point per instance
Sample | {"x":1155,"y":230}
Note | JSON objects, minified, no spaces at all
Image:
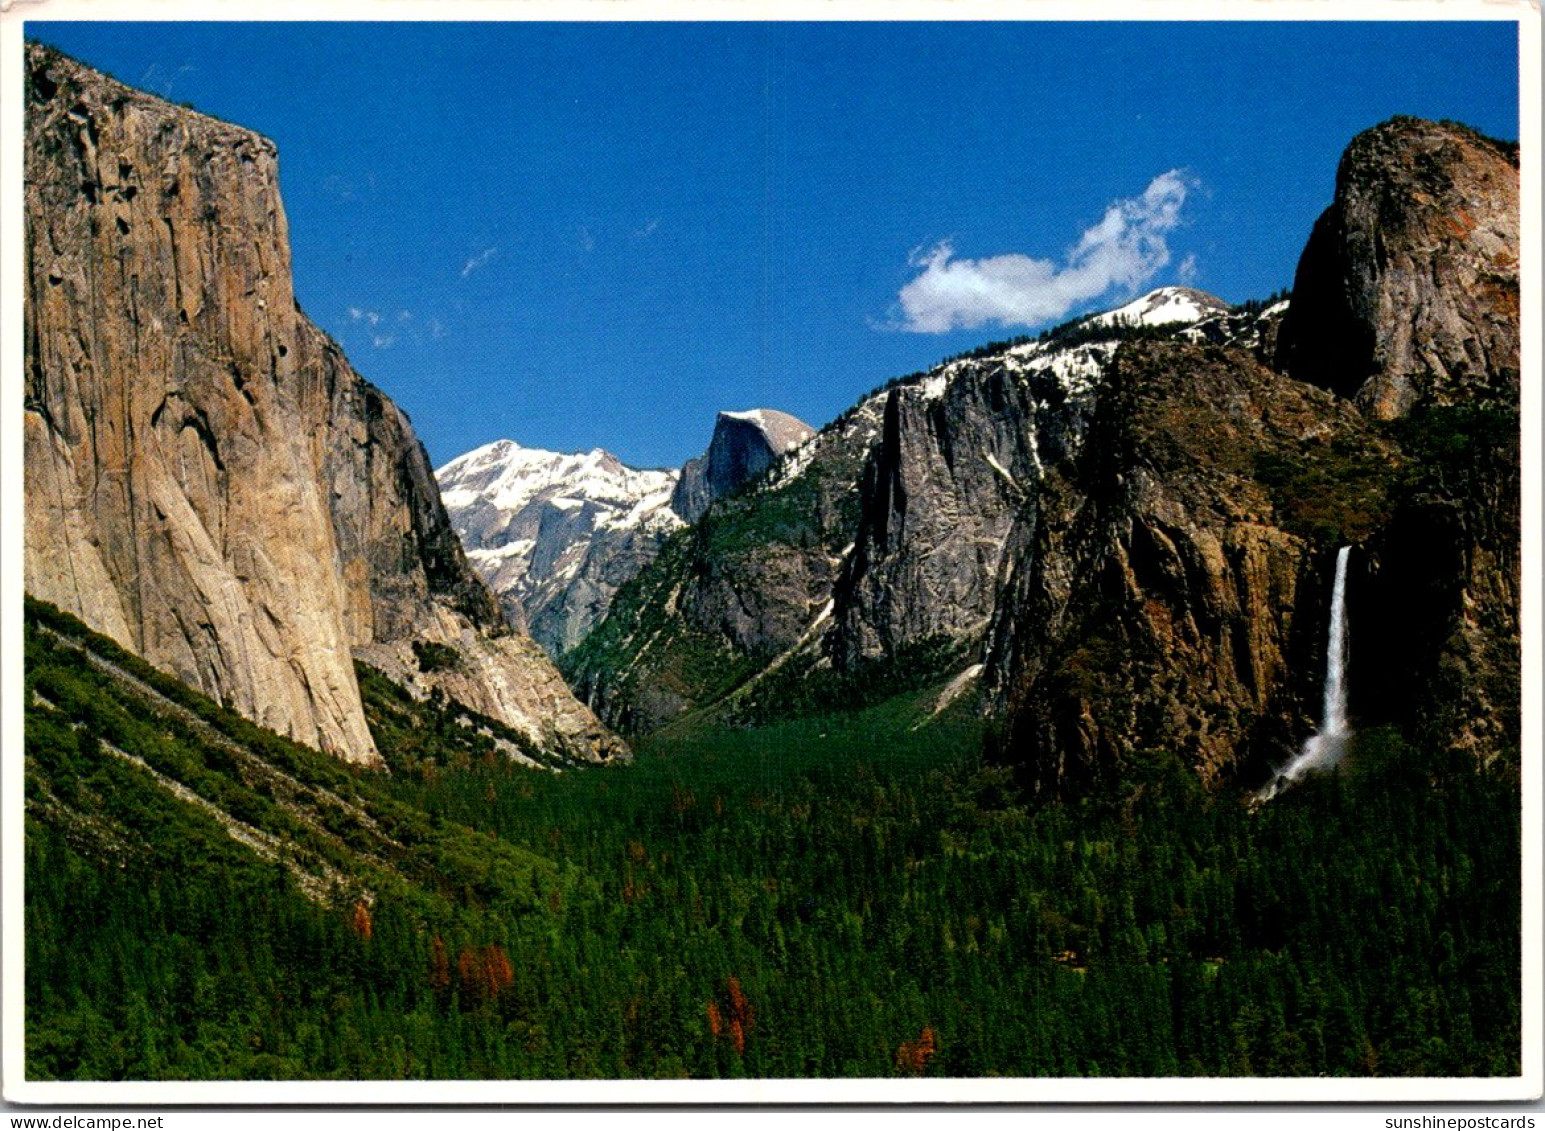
{"x":208,"y":481}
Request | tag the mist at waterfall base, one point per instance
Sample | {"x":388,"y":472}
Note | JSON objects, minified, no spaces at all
{"x":1323,"y":749}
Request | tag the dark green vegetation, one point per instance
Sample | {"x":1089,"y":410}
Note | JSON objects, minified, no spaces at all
{"x":1346,"y":490}
{"x":696,"y":665}
{"x":840,"y":895}
{"x":1337,"y":494}
{"x":805,"y":685}
{"x":435,"y":657}
{"x":772,"y":528}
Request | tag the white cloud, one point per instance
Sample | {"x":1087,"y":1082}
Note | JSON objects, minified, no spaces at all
{"x":586,"y":240}
{"x":379,"y":325}
{"x":478,"y":260}
{"x":1124,"y":250}
{"x":1187,"y":271}
{"x":647,"y":230}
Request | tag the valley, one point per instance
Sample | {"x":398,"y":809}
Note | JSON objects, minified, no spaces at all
{"x":856,"y":881}
{"x":1136,"y":698}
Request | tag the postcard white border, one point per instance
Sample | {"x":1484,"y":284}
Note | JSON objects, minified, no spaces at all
{"x":15,"y":13}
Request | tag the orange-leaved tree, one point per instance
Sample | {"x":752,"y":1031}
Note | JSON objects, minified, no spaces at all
{"x":485,"y":973}
{"x":732,"y":1016}
{"x":912,"y":1056}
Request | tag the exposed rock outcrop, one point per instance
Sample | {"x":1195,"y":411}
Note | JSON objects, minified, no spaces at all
{"x":1439,"y":604}
{"x":556,"y":535}
{"x":1163,"y":596}
{"x":958,"y":460}
{"x":207,"y":479}
{"x":744,"y":445}
{"x":1407,"y":292}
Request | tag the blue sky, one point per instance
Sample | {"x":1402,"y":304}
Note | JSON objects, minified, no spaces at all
{"x":579,"y":235}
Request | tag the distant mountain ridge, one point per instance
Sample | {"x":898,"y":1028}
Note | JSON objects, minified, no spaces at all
{"x":554,"y":534}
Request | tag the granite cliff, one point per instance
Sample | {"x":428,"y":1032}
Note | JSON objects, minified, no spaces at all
{"x":1123,"y":533}
{"x":744,"y":445}
{"x":208,"y":481}
{"x":749,"y":580}
{"x":1407,"y":292}
{"x":1164,"y":593}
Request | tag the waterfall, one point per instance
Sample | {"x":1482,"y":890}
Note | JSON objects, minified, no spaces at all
{"x":1333,"y":720}
{"x":1323,"y":749}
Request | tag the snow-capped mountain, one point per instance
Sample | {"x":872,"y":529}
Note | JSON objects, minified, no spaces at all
{"x":1163,"y":307}
{"x":554,"y":534}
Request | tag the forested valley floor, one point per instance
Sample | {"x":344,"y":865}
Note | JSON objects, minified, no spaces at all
{"x":846,"y":896}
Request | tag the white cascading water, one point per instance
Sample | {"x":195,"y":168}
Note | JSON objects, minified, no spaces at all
{"x":1324,"y":748}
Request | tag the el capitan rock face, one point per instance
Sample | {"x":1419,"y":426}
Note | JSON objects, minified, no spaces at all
{"x":1407,"y":292}
{"x":208,"y":480}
